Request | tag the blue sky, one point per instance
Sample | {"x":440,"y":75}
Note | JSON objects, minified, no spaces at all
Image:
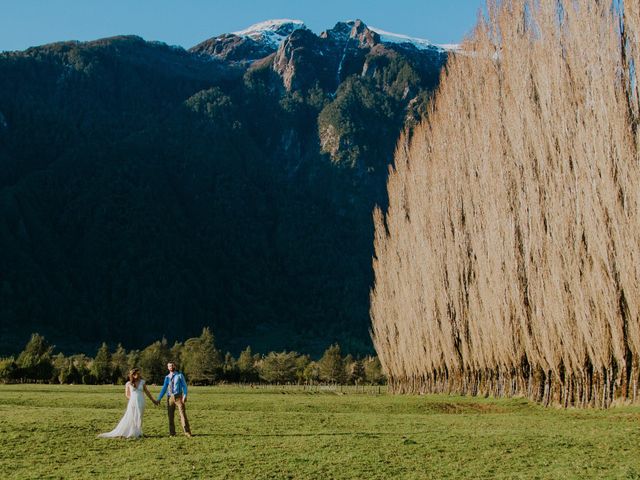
{"x":25,"y":23}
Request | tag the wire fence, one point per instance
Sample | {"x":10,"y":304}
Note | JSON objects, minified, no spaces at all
{"x":312,"y":388}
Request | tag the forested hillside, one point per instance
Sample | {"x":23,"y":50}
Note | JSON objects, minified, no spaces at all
{"x":149,"y":191}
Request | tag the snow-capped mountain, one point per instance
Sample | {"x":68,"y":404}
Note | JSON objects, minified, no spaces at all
{"x":264,"y":38}
{"x":252,"y":43}
{"x":271,"y":32}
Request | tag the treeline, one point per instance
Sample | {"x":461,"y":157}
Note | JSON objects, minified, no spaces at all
{"x":508,"y":261}
{"x":198,"y":358}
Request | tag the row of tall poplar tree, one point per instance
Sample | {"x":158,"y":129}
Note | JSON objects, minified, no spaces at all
{"x":508,"y":261}
{"x":199,"y":359}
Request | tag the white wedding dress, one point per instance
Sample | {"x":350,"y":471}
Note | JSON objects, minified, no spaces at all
{"x":130,"y":425}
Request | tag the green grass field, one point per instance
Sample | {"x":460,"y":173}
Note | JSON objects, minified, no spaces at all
{"x":50,"y":432}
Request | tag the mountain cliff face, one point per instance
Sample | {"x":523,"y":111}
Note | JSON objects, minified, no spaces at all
{"x":304,"y":60}
{"x":147,"y":191}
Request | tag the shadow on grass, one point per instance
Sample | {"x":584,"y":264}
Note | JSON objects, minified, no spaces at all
{"x":301,"y":434}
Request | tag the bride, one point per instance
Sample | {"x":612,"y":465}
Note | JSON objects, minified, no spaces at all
{"x":130,"y":425}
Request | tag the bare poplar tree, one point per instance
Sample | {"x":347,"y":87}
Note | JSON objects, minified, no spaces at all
{"x":508,"y":261}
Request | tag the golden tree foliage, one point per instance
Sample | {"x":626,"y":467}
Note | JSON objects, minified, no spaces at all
{"x":508,"y":262}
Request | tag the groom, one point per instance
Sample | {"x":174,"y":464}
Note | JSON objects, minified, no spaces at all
{"x":176,"y":388}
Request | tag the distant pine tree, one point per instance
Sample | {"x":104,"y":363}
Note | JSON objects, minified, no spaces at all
{"x":311,"y":373}
{"x":153,"y":361}
{"x":373,"y":373}
{"x":246,"y":366}
{"x":35,"y":362}
{"x":279,"y":367}
{"x":355,"y":372}
{"x":201,"y":361}
{"x":331,"y":365}
{"x":101,"y":367}
{"x":119,"y":365}
{"x":8,"y":369}
{"x":230,"y":371}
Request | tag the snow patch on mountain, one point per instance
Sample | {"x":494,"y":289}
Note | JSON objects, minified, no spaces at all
{"x":450,"y":47}
{"x":272,"y":32}
{"x":419,"y":43}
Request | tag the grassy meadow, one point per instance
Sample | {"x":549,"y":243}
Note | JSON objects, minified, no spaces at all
{"x":240,"y":432}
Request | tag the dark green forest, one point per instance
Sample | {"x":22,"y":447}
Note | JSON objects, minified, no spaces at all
{"x":147,"y":191}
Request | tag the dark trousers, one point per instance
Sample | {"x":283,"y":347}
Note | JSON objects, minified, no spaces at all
{"x":174,"y":401}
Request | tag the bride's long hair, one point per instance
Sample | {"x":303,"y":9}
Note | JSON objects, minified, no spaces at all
{"x":132,"y":372}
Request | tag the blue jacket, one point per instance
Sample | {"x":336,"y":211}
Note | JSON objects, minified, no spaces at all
{"x":176,"y":385}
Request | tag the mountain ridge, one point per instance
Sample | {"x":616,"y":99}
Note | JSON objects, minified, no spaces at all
{"x":267,"y":36}
{"x":148,"y":191}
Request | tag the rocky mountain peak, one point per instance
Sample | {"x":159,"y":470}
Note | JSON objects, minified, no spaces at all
{"x":272,"y":32}
{"x":332,"y":51}
{"x":304,"y":59}
{"x":252,"y":43}
{"x":300,"y":60}
{"x":233,"y":48}
{"x":352,"y":30}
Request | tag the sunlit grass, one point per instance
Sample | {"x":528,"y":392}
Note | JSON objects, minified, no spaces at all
{"x":50,"y":432}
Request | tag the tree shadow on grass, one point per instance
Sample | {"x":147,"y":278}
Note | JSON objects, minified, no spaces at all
{"x":309,"y":434}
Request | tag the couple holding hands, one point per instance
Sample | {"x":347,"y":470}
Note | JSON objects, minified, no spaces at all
{"x":175,"y":386}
